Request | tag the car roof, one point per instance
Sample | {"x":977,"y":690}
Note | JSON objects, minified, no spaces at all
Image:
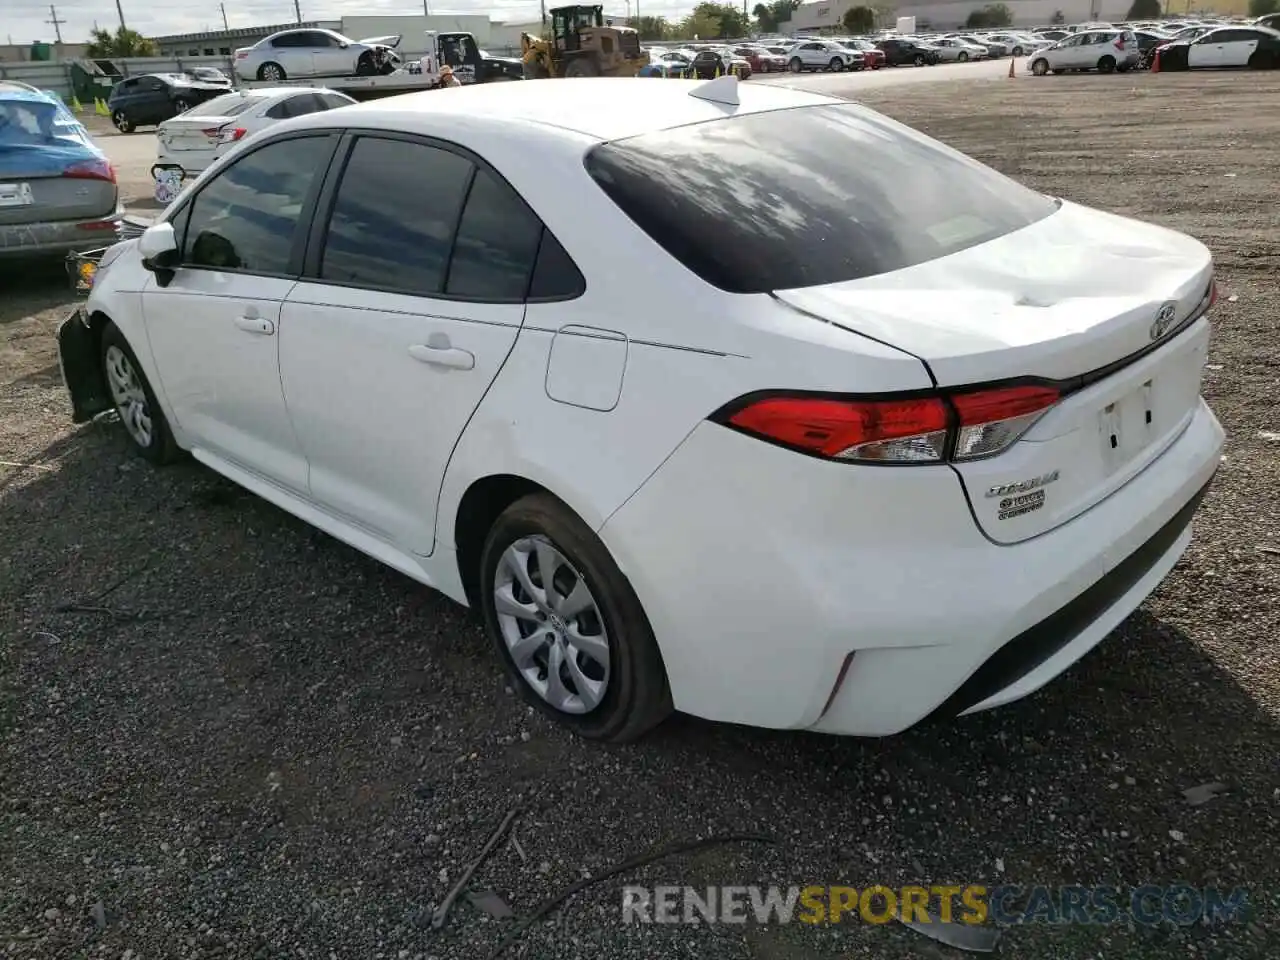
{"x":603,"y":108}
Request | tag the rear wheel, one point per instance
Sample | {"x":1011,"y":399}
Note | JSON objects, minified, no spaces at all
{"x":963,"y":56}
{"x":1261,"y":61}
{"x":122,"y":122}
{"x":134,"y":401}
{"x":796,"y":65}
{"x":1107,"y":64}
{"x":1040,"y":67}
{"x":271,"y":72}
{"x":1018,"y":51}
{"x":567,"y":625}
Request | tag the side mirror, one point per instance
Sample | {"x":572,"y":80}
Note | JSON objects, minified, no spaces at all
{"x":344,"y":45}
{"x":159,"y":248}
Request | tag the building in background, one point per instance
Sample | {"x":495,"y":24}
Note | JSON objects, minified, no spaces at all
{"x":213,"y":43}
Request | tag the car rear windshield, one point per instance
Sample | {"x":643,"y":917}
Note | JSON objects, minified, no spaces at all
{"x":227,"y":105}
{"x":807,"y":196}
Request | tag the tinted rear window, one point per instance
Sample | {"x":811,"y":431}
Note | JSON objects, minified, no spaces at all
{"x":227,"y":105}
{"x":807,"y":196}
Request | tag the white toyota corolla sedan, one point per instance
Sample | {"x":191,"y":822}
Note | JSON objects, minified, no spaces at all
{"x":700,"y":412}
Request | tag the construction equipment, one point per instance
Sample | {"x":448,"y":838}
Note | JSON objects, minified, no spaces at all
{"x":582,"y":44}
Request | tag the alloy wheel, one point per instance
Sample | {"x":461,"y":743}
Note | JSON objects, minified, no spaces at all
{"x":129,"y":396}
{"x":551,"y":625}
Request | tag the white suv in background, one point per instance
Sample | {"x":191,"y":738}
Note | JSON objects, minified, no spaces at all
{"x":823,"y":55}
{"x":1102,"y":50}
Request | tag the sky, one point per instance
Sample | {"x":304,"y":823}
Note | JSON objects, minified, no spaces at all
{"x":25,"y":20}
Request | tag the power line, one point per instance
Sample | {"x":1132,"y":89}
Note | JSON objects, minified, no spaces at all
{"x":57,"y":24}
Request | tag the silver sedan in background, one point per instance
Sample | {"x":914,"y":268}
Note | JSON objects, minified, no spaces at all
{"x":315,"y":53}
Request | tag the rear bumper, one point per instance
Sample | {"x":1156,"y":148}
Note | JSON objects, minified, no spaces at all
{"x":65,"y":236}
{"x":791,"y":593}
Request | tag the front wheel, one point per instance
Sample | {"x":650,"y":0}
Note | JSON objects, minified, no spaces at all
{"x":1017,"y":51}
{"x":182,"y":105}
{"x":1261,"y":61}
{"x":135,"y":402}
{"x":122,"y":122}
{"x":1040,"y":67}
{"x":836,"y":65}
{"x":919,"y":60}
{"x":1107,"y":65}
{"x":964,"y":56}
{"x":567,"y":625}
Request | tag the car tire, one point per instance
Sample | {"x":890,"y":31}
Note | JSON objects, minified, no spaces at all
{"x":1018,"y":51}
{"x":134,"y":400}
{"x":121,"y":121}
{"x":836,"y":65}
{"x":1040,"y":67}
{"x":919,"y":61}
{"x":272,"y":72}
{"x":538,"y":533}
{"x":1261,"y":61}
{"x":796,"y":65}
{"x":1122,"y":68}
{"x":963,"y":57}
{"x":182,"y":105}
{"x":1107,"y":65}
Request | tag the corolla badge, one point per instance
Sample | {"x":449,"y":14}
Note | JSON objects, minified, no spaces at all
{"x":1023,"y":486}
{"x":1164,"y":320}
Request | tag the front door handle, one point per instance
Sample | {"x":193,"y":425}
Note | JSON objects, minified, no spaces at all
{"x":259,"y":325}
{"x":443,"y":356}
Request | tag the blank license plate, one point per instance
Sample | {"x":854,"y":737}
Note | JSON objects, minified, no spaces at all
{"x":16,"y":195}
{"x":1128,"y":425}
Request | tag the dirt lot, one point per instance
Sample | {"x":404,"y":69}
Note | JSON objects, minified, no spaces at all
{"x":248,"y":740}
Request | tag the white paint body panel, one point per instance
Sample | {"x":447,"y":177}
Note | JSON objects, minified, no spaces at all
{"x":760,"y":569}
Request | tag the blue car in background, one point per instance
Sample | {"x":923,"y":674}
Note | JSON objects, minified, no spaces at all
{"x":58,"y":191}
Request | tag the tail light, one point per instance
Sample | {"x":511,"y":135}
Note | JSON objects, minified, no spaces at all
{"x":933,"y":428}
{"x":91,"y":170}
{"x":224,"y":135}
{"x":242,"y":54}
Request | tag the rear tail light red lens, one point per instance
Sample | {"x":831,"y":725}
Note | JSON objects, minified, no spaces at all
{"x":91,"y":170}
{"x":211,"y":132}
{"x":935,"y":428}
{"x":242,"y":54}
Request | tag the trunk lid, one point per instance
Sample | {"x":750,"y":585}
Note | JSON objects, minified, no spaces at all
{"x":35,"y":189}
{"x":1082,"y":298}
{"x":182,"y":134}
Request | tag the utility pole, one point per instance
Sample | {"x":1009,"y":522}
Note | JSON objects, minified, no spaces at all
{"x":120,"y":11}
{"x":297,"y":9}
{"x":226,"y":26}
{"x":57,"y":24}
{"x":426,"y":10}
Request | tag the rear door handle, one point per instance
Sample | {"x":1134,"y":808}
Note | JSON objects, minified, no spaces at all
{"x":443,"y":356}
{"x":259,"y":325}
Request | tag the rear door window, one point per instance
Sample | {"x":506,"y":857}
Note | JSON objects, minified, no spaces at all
{"x":394,"y":216}
{"x":771,"y":201}
{"x":228,"y":105}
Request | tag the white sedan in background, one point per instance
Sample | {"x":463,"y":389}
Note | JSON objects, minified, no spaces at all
{"x":957,"y":50}
{"x":193,"y":140}
{"x":933,"y":436}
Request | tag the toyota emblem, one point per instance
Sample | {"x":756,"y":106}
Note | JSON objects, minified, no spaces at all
{"x":1164,"y":320}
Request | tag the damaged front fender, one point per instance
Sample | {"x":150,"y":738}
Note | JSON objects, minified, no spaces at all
{"x":81,"y":368}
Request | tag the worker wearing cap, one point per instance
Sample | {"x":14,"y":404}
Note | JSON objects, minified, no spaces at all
{"x":447,"y":79}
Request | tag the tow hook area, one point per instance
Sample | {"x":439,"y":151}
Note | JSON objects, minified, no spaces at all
{"x":81,"y":371}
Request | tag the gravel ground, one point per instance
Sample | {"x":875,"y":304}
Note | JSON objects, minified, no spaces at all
{"x":224,"y":734}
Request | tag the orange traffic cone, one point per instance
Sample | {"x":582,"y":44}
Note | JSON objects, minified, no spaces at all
{"x":1155,"y":61}
{"x":1012,"y":75}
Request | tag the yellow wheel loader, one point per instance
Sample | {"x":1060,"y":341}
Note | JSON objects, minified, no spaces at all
{"x":582,"y":44}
